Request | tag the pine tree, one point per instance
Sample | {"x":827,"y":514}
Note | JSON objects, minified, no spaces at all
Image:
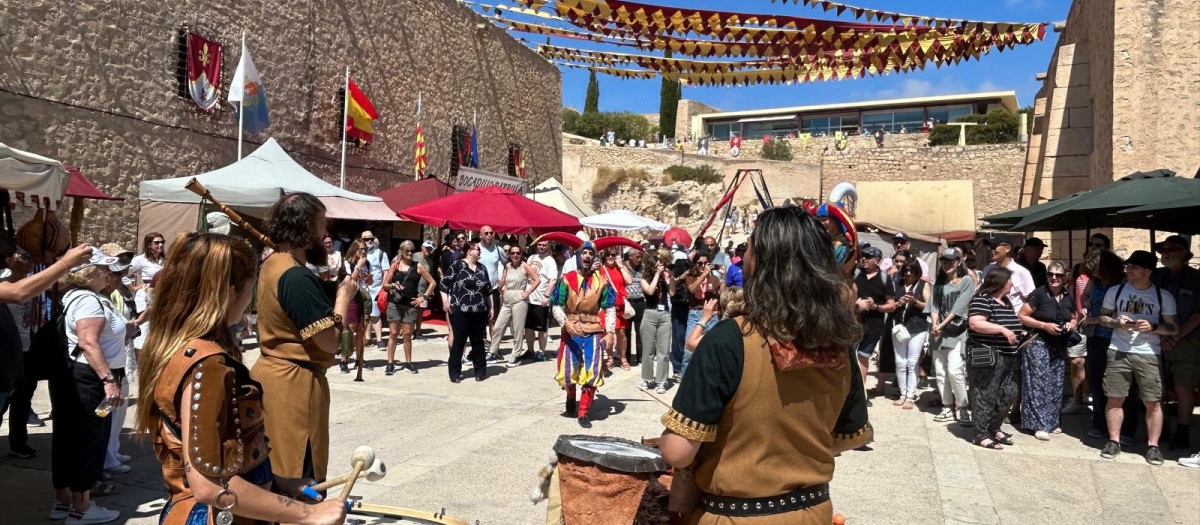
{"x":591,"y":102}
{"x":668,"y":104}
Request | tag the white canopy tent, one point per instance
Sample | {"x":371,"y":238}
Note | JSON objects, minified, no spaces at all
{"x":622,"y":220}
{"x":551,"y":193}
{"x":32,"y":179}
{"x":249,"y":186}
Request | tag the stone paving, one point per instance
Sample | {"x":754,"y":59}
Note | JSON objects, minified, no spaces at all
{"x":474,"y":449}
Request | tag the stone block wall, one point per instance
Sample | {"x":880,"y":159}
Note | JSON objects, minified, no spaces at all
{"x":1121,"y":94}
{"x":94,"y":83}
{"x":686,"y":109}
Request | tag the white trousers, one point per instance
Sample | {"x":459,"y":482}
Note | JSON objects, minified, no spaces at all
{"x":951,"y":370}
{"x":908,"y":357}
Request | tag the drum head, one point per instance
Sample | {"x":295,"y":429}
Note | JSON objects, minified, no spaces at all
{"x":611,"y":452}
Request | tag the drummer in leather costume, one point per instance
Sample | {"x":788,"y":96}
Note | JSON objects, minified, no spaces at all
{"x":583,"y":304}
{"x":298,"y":332}
{"x":770,"y":397}
{"x":201,"y":408}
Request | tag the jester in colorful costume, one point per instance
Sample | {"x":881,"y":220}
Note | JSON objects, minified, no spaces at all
{"x":840,"y":226}
{"x":584,"y":304}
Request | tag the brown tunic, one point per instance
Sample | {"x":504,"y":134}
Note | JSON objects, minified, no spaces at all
{"x":291,"y":370}
{"x":226,"y":425}
{"x":775,"y":434}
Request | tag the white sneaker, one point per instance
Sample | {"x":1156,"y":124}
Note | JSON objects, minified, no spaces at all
{"x":120,"y":469}
{"x":512,"y":364}
{"x":59,"y":511}
{"x":95,"y":514}
{"x":1192,"y":461}
{"x":645,"y":385}
{"x":1042,"y":435}
{"x":662,"y":389}
{"x":1096,"y":434}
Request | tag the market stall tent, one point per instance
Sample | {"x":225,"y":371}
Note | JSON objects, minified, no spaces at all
{"x":622,"y":220}
{"x":32,"y":179}
{"x":250,"y":186}
{"x":551,"y":193}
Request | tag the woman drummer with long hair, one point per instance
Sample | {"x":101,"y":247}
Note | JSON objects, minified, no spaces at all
{"x":775,"y":382}
{"x":200,"y":407}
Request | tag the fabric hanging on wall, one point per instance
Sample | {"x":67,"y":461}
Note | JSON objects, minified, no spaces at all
{"x":203,"y":71}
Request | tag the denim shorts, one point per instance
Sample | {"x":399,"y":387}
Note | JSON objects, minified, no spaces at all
{"x":866,"y":347}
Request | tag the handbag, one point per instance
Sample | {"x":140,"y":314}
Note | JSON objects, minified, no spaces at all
{"x":900,"y":333}
{"x":981,"y":356}
{"x":955,"y":327}
{"x":1074,"y":338}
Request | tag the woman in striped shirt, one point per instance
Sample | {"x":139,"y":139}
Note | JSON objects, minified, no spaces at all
{"x":993,"y":329}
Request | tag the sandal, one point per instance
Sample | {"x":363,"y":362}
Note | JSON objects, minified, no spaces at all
{"x":1003,"y":438}
{"x":101,"y":489}
{"x":908,"y":405}
{"x":625,"y":366}
{"x":898,"y":402}
{"x":992,"y":444}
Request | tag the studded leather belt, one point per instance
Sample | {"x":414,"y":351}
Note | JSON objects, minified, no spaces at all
{"x":794,"y":500}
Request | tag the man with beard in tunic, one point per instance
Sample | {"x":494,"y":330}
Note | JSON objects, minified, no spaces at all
{"x":298,"y":332}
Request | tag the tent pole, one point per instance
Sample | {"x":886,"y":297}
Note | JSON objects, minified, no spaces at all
{"x":345,"y":110}
{"x":1070,"y":249}
{"x":1151,"y":241}
{"x":242,"y":103}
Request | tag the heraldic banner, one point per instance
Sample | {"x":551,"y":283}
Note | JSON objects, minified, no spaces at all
{"x":203,"y":71}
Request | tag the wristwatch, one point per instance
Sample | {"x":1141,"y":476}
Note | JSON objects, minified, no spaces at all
{"x":108,"y":378}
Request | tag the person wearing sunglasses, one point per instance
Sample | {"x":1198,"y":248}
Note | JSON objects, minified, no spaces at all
{"x":1051,"y":315}
{"x":1182,"y":350}
{"x":492,"y":257}
{"x":1029,"y":257}
{"x":378,"y":261}
{"x":405,"y":300}
{"x":518,"y":280}
{"x":151,"y":260}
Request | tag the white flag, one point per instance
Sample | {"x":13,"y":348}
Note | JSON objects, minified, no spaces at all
{"x":246,"y":93}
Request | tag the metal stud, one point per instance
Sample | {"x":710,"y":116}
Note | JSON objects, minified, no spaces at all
{"x":196,"y":385}
{"x":771,"y":504}
{"x":793,"y":499}
{"x":758,"y":505}
{"x":235,"y":411}
{"x":782,"y":502}
{"x":216,"y":470}
{"x":195,"y":417}
{"x":197,"y":460}
{"x":722,"y":505}
{"x":745,"y":506}
{"x":198,"y":375}
{"x":189,"y":352}
{"x":196,"y":406}
{"x":195,"y":450}
{"x":804,"y":497}
{"x":196,"y":396}
{"x":207,"y":465}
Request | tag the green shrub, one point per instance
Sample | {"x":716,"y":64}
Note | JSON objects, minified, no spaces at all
{"x":999,"y":126}
{"x":570,"y":121}
{"x":776,"y":149}
{"x":608,"y":179}
{"x":625,"y":125}
{"x":704,"y":174}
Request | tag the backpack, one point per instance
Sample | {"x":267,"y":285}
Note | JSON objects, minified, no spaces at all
{"x":48,"y":345}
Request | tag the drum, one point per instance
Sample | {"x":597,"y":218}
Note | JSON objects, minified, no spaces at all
{"x":611,"y":452}
{"x":368,"y":514}
{"x":602,"y":479}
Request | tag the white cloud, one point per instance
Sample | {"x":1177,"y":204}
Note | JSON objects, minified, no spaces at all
{"x":988,"y":85}
{"x":915,"y":87}
{"x":1030,"y":4}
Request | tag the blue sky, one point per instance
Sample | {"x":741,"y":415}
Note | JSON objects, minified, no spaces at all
{"x":1013,"y":69}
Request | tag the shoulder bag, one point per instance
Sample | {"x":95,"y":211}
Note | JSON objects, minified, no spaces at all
{"x":899,"y":331}
{"x":981,"y":355}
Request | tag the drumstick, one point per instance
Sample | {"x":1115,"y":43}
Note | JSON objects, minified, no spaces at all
{"x":656,"y":398}
{"x":362,"y":456}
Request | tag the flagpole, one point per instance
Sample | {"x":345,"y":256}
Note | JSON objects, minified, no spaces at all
{"x":345,"y":110}
{"x":242,"y":110}
{"x":416,"y":172}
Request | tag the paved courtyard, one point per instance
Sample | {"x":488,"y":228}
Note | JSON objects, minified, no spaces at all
{"x":474,"y":449}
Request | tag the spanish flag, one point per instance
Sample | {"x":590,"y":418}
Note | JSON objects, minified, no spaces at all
{"x":360,"y":114}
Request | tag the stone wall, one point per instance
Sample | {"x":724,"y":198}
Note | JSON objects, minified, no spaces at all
{"x":1121,"y":94}
{"x":816,"y":147}
{"x":94,"y":83}
{"x":990,"y":173}
{"x":685,"y":204}
{"x":686,"y":109}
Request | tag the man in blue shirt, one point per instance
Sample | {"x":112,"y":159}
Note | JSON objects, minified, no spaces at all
{"x":734,"y":276}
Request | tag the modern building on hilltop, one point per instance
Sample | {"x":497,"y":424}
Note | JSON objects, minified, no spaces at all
{"x":894,"y":116}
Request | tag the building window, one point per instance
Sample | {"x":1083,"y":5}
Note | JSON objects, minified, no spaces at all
{"x":774,"y":128}
{"x":947,"y":114}
{"x":829,"y":124}
{"x":909,"y":120}
{"x":719,"y":131}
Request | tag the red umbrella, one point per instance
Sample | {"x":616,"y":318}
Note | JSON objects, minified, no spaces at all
{"x":413,"y":193}
{"x":677,"y":235}
{"x":504,"y":210}
{"x":79,"y":186}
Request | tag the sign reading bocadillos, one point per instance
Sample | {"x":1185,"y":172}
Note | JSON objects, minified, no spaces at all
{"x":471,"y":178}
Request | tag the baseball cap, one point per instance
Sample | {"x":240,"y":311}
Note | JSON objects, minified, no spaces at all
{"x":950,"y":254}
{"x":1174,"y":239}
{"x":428,"y":244}
{"x":1035,"y":242}
{"x":872,"y":252}
{"x":900,"y":236}
{"x":99,"y":259}
{"x":1143,"y":259}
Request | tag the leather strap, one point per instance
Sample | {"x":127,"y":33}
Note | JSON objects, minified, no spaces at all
{"x":795,"y":500}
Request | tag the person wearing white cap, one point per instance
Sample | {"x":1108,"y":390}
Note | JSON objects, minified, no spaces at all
{"x":423,"y":258}
{"x":95,"y":334}
{"x":377,"y":260}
